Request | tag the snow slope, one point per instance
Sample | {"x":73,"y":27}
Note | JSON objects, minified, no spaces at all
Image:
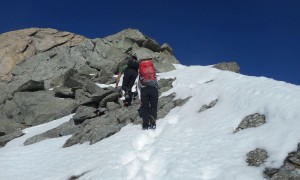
{"x":187,"y":144}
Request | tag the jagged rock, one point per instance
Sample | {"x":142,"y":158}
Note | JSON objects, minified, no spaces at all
{"x":113,"y":97}
{"x":75,"y":177}
{"x":6,"y":138}
{"x":211,"y":104}
{"x":126,"y":38}
{"x":104,"y":76}
{"x":96,"y":73}
{"x":87,"y":72}
{"x":108,"y":54}
{"x":41,"y":68}
{"x":40,"y":106}
{"x":12,"y":111}
{"x":64,"y":129}
{"x":64,"y":92}
{"x":295,"y":158}
{"x":166,"y":103}
{"x":69,"y":109}
{"x":230,"y":66}
{"x":32,"y":85}
{"x":112,"y":106}
{"x":143,"y":47}
{"x":83,"y":113}
{"x":84,"y":97}
{"x":167,"y":47}
{"x":57,"y":82}
{"x":19,"y":45}
{"x":253,"y":120}
{"x":203,"y":108}
{"x":209,"y":81}
{"x":256,"y":157}
{"x":4,"y":94}
{"x":269,"y":172}
{"x":165,"y":85}
{"x":289,"y":170}
{"x":152,"y":45}
{"x":72,"y":80}
{"x":181,"y":102}
{"x":92,"y":88}
{"x":8,"y":126}
{"x":164,"y":62}
{"x":95,"y":129}
{"x":126,"y":115}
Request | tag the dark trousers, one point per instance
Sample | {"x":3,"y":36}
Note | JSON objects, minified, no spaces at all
{"x":149,"y":98}
{"x":128,"y":81}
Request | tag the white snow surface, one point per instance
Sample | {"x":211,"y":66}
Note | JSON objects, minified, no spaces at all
{"x":187,"y":144}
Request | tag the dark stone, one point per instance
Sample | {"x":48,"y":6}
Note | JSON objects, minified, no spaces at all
{"x":167,"y":47}
{"x":152,"y":45}
{"x":165,"y":85}
{"x":64,"y":92}
{"x":72,"y":80}
{"x":92,"y":88}
{"x":211,"y":104}
{"x":113,"y":97}
{"x":8,"y":137}
{"x":83,"y":113}
{"x":269,"y":172}
{"x":31,"y":86}
{"x":230,"y":66}
{"x":250,"y":121}
{"x":40,"y":107}
{"x":64,"y":129}
{"x":256,"y":157}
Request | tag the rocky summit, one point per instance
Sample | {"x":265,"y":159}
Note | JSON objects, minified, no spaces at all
{"x":46,"y":74}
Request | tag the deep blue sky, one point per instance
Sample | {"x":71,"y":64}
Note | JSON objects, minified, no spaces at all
{"x":262,"y":36}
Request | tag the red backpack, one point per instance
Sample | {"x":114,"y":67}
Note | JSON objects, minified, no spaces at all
{"x":147,"y":73}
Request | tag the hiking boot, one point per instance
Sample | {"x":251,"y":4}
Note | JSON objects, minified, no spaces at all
{"x":134,"y":95}
{"x":152,"y":123}
{"x":144,"y":127}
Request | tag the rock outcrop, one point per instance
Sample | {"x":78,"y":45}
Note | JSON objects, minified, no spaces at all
{"x":256,"y":157}
{"x":92,"y":125}
{"x":250,"y":121}
{"x":46,"y":74}
{"x":228,"y":66}
{"x":17,"y":46}
{"x":289,"y":170}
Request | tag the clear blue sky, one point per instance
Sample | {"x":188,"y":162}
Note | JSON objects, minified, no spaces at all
{"x":262,"y":36}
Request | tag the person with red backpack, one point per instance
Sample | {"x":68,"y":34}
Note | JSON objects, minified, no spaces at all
{"x":148,"y":86}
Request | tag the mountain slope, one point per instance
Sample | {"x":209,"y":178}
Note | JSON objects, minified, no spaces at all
{"x":191,"y":142}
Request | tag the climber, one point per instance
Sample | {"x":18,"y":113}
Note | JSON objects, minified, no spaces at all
{"x":129,"y":67}
{"x":148,"y":85}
